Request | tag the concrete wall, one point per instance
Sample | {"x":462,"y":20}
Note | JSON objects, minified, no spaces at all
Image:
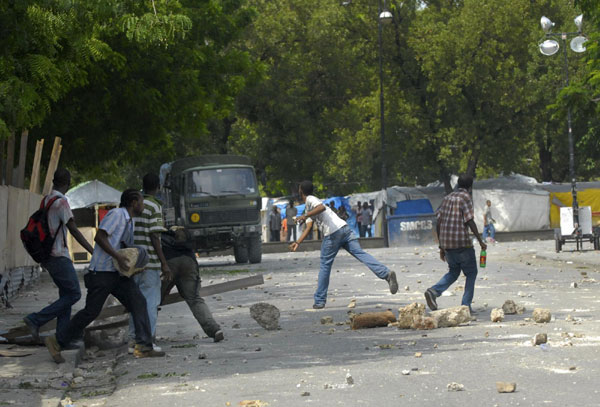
{"x":17,"y":269}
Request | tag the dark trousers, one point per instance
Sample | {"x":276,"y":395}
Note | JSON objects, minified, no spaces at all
{"x":275,"y":235}
{"x":99,"y":285}
{"x":186,"y":277}
{"x":291,"y":231}
{"x":64,"y":276}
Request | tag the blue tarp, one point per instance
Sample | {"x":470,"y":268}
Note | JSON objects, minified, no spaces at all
{"x":413,"y":207}
{"x":337,"y":200}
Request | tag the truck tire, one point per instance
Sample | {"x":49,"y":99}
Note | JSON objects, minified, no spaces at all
{"x":254,"y":249}
{"x":240,"y":252}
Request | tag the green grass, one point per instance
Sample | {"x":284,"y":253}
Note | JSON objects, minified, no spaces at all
{"x":149,"y":375}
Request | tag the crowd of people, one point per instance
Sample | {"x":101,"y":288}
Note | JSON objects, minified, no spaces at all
{"x":164,"y":259}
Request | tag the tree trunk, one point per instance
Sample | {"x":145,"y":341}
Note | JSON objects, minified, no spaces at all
{"x":472,"y":165}
{"x":545,"y":155}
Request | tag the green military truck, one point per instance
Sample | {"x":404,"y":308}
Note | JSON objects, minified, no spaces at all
{"x":216,"y":199}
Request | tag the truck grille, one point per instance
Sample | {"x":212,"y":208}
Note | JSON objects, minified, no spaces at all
{"x":229,"y":217}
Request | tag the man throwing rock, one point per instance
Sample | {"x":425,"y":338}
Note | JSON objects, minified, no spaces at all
{"x":336,"y":235}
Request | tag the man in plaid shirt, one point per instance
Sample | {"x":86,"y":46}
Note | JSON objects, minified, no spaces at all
{"x":454,"y":215}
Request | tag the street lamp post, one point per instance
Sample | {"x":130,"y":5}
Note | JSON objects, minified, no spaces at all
{"x":385,"y":17}
{"x":550,"y":47}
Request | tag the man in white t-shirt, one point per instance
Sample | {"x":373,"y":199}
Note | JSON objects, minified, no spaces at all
{"x":59,"y":265}
{"x":336,"y":235}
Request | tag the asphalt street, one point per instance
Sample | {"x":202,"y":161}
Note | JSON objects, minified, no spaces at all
{"x":309,"y":363}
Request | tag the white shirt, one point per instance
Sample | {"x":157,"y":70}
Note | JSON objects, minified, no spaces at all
{"x":327,"y":220}
{"x":59,"y":214}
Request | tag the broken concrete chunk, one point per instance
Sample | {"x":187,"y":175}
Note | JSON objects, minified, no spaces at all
{"x":509,"y":307}
{"x":266,"y":315}
{"x":506,"y":387}
{"x":520,"y":309}
{"x":373,"y":319}
{"x":349,"y":378}
{"x":538,"y":339}
{"x":326,"y":320}
{"x":451,"y":317}
{"x":352,"y":304}
{"x":406,"y":315}
{"x":497,"y":315}
{"x":424,"y":323}
{"x":455,"y":386}
{"x":541,"y":315}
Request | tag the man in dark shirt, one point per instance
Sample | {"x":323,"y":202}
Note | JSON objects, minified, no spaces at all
{"x":186,"y":276}
{"x":454,"y":215}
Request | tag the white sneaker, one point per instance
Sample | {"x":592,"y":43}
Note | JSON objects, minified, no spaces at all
{"x":156,"y":348}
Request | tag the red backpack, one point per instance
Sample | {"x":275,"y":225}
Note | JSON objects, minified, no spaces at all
{"x":36,"y":236}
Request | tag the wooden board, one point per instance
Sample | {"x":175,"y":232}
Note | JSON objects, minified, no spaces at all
{"x":115,"y":310}
{"x":52,"y":166}
{"x":10,"y":158}
{"x":22,"y":159}
{"x":34,"y":184}
{"x":4,"y":240}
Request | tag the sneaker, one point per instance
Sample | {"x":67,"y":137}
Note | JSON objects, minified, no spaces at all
{"x":393,"y":283}
{"x":54,"y":349}
{"x":130,"y":346}
{"x":33,"y":329}
{"x":318,"y":306}
{"x":139,"y":353}
{"x":218,"y":336}
{"x":156,"y":347}
{"x":430,"y":298}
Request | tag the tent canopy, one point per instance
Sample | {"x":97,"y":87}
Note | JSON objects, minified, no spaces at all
{"x":92,"y":193}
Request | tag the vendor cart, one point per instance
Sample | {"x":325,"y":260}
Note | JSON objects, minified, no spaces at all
{"x":569,"y":233}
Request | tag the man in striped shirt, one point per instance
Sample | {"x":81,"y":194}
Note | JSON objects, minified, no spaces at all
{"x":454,"y":217}
{"x":146,"y":234}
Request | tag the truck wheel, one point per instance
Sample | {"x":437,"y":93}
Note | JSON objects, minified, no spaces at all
{"x":254,"y":249}
{"x":241,"y":253}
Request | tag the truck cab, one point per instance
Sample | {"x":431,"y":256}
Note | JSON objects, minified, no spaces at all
{"x":215,"y":198}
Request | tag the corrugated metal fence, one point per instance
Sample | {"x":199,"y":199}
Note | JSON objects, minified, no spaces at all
{"x":17,"y":269}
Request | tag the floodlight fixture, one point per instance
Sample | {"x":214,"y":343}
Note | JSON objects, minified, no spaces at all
{"x":549,"y":47}
{"x":385,"y":17}
{"x":546,"y":24}
{"x":578,"y":44}
{"x":579,"y":22}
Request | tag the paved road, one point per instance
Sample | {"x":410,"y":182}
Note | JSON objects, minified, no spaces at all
{"x":306,"y":363}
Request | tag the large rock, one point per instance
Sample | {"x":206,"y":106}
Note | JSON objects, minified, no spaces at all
{"x":372,"y":319}
{"x":539,"y":339}
{"x":509,"y":307}
{"x":266,"y":315}
{"x":497,"y":315}
{"x":424,"y":323}
{"x":541,"y":315}
{"x":506,"y":387}
{"x":407,"y":314}
{"x":450,"y":317}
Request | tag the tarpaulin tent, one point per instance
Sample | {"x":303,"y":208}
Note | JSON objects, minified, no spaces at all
{"x":89,"y":201}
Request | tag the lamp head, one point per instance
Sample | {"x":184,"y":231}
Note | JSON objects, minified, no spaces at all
{"x":546,"y":24}
{"x":549,"y":47}
{"x":578,"y":44}
{"x":385,"y":17}
{"x":579,"y":22}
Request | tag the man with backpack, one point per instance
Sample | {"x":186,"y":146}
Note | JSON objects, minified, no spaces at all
{"x":58,"y":262}
{"x":115,"y":232}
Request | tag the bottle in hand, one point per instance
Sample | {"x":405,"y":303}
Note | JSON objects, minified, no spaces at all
{"x":482,"y":259}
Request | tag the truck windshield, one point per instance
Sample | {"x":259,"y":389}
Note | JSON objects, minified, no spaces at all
{"x":221,"y":181}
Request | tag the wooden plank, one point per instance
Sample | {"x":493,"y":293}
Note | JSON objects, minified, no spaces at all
{"x":115,"y":310}
{"x":34,"y":183}
{"x":22,"y":159}
{"x":52,"y":166}
{"x":10,"y":158}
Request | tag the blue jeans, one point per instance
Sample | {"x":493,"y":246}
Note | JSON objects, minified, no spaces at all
{"x":459,"y":259}
{"x":343,"y":238}
{"x":148,"y":281}
{"x":490,"y":230}
{"x":63,"y":273}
